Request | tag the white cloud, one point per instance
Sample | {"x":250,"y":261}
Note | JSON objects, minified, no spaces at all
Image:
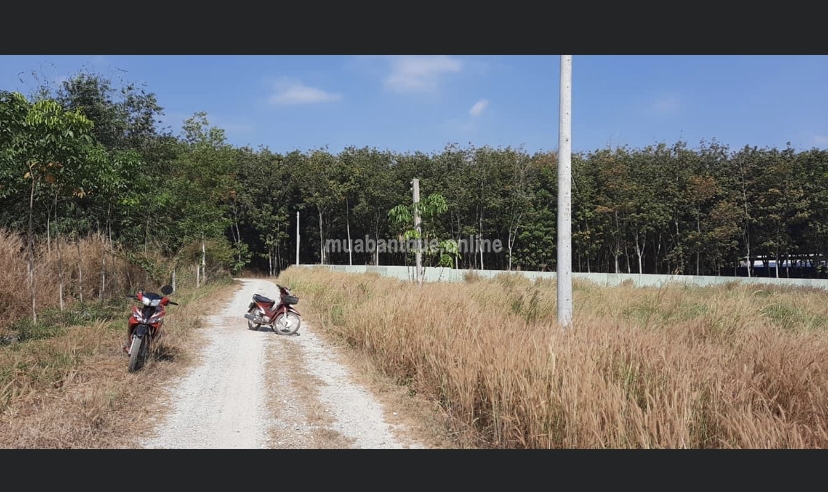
{"x":416,"y":73}
{"x":820,"y":140}
{"x":293,"y":91}
{"x":465,"y":127}
{"x":478,"y":107}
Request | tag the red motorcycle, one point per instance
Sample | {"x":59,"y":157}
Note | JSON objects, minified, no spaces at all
{"x":281,"y":316}
{"x":145,"y":324}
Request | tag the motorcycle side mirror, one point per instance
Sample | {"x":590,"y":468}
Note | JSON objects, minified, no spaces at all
{"x":166,"y":290}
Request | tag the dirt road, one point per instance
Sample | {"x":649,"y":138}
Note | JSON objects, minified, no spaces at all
{"x":257,"y":389}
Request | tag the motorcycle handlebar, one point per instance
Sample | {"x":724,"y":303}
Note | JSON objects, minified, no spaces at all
{"x":132,"y":296}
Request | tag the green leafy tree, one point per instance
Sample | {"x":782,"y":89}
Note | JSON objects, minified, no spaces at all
{"x":42,"y":145}
{"x":265,"y":192}
{"x":201,"y":187}
{"x":322,"y":189}
{"x":537,"y":240}
{"x":783,"y":203}
{"x":427,"y":242}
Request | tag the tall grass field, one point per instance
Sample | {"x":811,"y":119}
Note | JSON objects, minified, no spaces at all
{"x":731,"y":366}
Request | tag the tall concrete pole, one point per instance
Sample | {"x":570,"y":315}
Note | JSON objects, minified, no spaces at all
{"x":564,"y":273}
{"x":297,"y":238}
{"x":415,"y":188}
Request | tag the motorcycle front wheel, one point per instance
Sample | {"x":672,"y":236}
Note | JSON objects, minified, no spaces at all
{"x":251,"y":325}
{"x":137,"y":353}
{"x":287,"y":323}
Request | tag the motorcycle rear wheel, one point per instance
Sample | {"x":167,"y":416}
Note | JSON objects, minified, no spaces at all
{"x":287,"y":323}
{"x":251,"y":325}
{"x":137,"y":353}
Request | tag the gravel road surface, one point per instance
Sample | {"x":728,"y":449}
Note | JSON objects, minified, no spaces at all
{"x":257,"y":389}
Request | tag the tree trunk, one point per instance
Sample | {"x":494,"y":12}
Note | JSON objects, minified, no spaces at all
{"x":657,"y":254}
{"x":617,"y":251}
{"x":513,"y":231}
{"x":578,"y":251}
{"x":234,"y":229}
{"x":680,"y":259}
{"x":509,"y":243}
{"x":588,"y":249}
{"x":146,"y":234}
{"x":80,"y":270}
{"x":103,"y":267}
{"x":747,"y":230}
{"x":718,"y":263}
{"x":509,"y":265}
{"x":777,"y":262}
{"x":373,"y":255}
{"x":627,"y":258}
{"x":61,"y":303}
{"x":49,"y":231}
{"x":238,"y":243}
{"x":203,"y":260}
{"x":115,"y":279}
{"x":459,"y":237}
{"x":376,"y":249}
{"x":321,"y":241}
{"x":348,"y":228}
{"x":480,"y":238}
{"x":60,"y":270}
{"x":639,"y":250}
{"x":31,"y":260}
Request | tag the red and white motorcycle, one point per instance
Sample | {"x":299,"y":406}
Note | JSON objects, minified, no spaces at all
{"x":145,"y":325}
{"x":280,"y":316}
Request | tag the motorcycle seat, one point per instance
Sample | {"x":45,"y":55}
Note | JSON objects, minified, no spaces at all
{"x":263,"y":299}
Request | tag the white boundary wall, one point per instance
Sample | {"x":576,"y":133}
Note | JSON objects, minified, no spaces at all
{"x":436,"y":274}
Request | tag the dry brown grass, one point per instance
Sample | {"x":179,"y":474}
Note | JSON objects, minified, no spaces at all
{"x":64,"y":381}
{"x":735,"y":366}
{"x":91,"y":271}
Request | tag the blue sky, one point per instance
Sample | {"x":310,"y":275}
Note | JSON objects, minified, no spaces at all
{"x":408,"y":103}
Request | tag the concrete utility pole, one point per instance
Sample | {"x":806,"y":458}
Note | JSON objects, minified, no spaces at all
{"x":297,"y":238}
{"x":348,"y":227}
{"x":415,"y":186}
{"x":564,"y":274}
